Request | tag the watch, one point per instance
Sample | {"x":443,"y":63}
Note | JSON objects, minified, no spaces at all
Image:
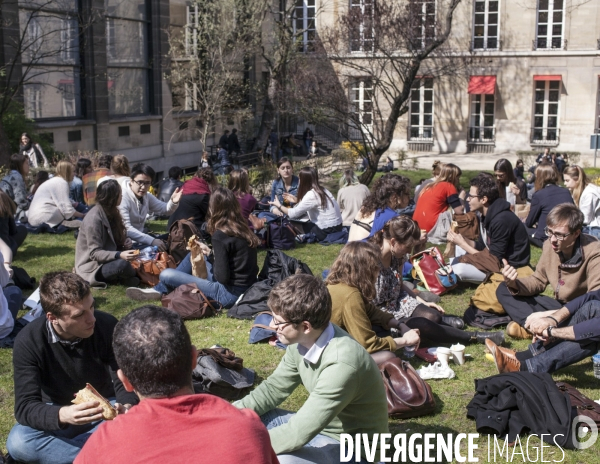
{"x":549,"y":329}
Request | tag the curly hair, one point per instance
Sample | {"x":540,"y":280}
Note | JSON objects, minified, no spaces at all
{"x":383,"y":190}
{"x":226,"y":216}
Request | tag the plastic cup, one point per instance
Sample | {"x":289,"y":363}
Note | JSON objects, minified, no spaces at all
{"x":409,"y":351}
{"x":443,"y":354}
{"x":458,"y":353}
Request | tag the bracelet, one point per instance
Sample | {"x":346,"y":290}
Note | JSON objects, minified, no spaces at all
{"x":550,"y":317}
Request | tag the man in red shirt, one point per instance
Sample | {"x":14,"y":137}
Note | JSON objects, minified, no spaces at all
{"x":171,"y":423}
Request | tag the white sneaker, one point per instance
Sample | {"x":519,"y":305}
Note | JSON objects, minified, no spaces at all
{"x":436,"y":371}
{"x":143,"y":294}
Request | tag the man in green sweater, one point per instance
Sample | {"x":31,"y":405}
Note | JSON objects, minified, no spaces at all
{"x":346,"y":393}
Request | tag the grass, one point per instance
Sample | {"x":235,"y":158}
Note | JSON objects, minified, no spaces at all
{"x":44,"y":253}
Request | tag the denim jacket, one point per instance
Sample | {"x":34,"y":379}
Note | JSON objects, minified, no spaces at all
{"x":278,"y":189}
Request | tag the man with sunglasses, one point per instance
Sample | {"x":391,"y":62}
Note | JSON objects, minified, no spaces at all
{"x":570,"y":264}
{"x":137,"y":203}
{"x":346,"y":393}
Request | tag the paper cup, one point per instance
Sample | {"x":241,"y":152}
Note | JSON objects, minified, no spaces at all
{"x":458,"y":353}
{"x":443,"y":354}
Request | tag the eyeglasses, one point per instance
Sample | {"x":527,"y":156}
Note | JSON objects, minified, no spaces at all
{"x":281,"y":325}
{"x":559,"y":237}
{"x":141,"y":183}
{"x":474,"y":196}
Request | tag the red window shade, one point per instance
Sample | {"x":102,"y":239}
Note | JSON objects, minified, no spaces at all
{"x":551,"y":77}
{"x":482,"y":85}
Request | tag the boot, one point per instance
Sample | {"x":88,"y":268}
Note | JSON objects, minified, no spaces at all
{"x":454,"y":321}
{"x":496,"y":337}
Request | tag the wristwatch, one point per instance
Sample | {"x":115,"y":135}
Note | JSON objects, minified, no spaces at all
{"x":549,"y":330}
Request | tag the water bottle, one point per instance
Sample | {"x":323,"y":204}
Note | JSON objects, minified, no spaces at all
{"x":409,"y":351}
{"x":596,"y":364}
{"x":146,"y":254}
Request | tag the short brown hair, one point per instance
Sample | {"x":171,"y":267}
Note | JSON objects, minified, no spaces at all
{"x":60,"y":288}
{"x":566,"y":213}
{"x":299,"y":298}
{"x":545,"y":174}
{"x":401,"y":228}
{"x":357,"y":266}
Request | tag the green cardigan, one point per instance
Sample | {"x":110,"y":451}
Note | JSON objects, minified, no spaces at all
{"x":346,"y":394}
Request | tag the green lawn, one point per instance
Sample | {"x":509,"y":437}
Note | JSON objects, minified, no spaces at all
{"x":44,"y":253}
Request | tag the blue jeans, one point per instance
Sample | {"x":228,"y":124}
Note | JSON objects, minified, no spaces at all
{"x":595,"y":231}
{"x":563,"y":353}
{"x":27,"y":444}
{"x":14,"y":298}
{"x":170,"y":279}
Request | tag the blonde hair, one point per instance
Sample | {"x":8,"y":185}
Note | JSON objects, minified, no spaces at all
{"x":578,"y":175}
{"x":448,"y":173}
{"x":436,"y":168}
{"x":64,"y":169}
{"x":545,"y":173}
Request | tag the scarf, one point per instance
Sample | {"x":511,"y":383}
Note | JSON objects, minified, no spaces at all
{"x":196,"y":185}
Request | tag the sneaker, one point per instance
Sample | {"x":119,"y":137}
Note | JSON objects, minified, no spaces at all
{"x":300,"y":238}
{"x":514,"y":330}
{"x":436,"y":371}
{"x":74,"y":224}
{"x":143,"y":294}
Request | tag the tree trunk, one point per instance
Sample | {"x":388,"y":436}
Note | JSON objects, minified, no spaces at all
{"x":367,"y":176}
{"x":268,"y":118}
{"x":5,"y":151}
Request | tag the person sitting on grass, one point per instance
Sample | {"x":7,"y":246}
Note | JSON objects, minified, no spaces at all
{"x":570,"y":264}
{"x":233,"y":268}
{"x":103,"y":250}
{"x":345,"y":389}
{"x":90,"y":180}
{"x":53,"y":358}
{"x":351,"y":196}
{"x":137,"y":203}
{"x":180,"y":425}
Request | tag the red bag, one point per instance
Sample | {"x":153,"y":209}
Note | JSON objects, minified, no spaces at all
{"x":438,"y":277}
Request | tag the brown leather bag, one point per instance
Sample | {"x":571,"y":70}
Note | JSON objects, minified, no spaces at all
{"x":190,"y":303}
{"x":149,"y":270}
{"x":408,"y":395}
{"x":581,"y":405}
{"x":467,"y":225}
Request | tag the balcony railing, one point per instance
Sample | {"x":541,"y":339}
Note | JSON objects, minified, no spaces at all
{"x":480,"y":44}
{"x":483,"y":135}
{"x":421,"y":134}
{"x":549,"y":44}
{"x":546,"y":136}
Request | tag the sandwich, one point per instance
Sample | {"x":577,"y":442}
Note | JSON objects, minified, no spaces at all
{"x":89,"y":393}
{"x":136,"y":252}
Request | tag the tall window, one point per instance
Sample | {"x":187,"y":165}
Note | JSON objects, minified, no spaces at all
{"x":550,"y":24}
{"x":422,"y":23}
{"x":361,"y":99}
{"x":546,"y":110}
{"x":191,"y":30}
{"x":485,"y":25}
{"x":304,"y":24}
{"x":421,"y":110}
{"x":127,"y":54}
{"x":362,"y":33}
{"x":598,"y":109}
{"x":50,"y":58}
{"x":481,"y":127}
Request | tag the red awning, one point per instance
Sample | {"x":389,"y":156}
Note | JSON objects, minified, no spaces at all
{"x":549,"y":77}
{"x":482,"y":85}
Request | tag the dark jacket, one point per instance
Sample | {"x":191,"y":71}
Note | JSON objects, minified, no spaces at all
{"x":506,"y":235}
{"x":233,"y":143}
{"x":46,"y":372}
{"x":167,"y":187}
{"x":224,"y":141}
{"x":541,"y":203}
{"x":520,"y":402}
{"x":191,"y":206}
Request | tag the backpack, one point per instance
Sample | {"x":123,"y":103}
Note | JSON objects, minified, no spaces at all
{"x":219,"y":372}
{"x":7,"y":188}
{"x":281,"y":234}
{"x":179,"y":234}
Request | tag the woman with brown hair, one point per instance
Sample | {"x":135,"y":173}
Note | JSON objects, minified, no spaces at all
{"x":323,"y":211}
{"x":120,"y":169}
{"x":239,"y":184}
{"x":505,"y":176}
{"x":586,"y":196}
{"x":103,"y":250}
{"x":546,"y":196}
{"x":232,"y":264}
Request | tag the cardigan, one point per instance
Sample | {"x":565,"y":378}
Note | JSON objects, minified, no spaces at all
{"x":51,"y":203}
{"x":589,"y":204}
{"x":323,"y":218}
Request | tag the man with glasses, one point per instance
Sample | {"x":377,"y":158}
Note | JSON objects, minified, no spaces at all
{"x":570,"y":263}
{"x":346,"y":393}
{"x":137,"y":203}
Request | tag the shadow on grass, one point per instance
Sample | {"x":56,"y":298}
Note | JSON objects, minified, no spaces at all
{"x":35,"y":252}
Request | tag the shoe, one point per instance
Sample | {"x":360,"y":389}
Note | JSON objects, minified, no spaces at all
{"x":503,"y":362}
{"x":436,"y":371}
{"x":429,"y":297}
{"x":454,"y":321}
{"x":515,"y":330}
{"x":300,"y":238}
{"x":74,"y":224}
{"x":143,"y":294}
{"x":496,"y":337}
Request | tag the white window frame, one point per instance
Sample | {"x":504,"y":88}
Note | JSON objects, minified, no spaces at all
{"x":477,"y":119}
{"x":360,"y":88}
{"x":549,"y":36}
{"x":422,"y":41}
{"x":68,"y":37}
{"x":544,"y":128}
{"x":486,"y":25}
{"x":33,"y":100}
{"x":301,"y":12}
{"x":191,"y":97}
{"x":365,"y":44}
{"x":191,"y":30}
{"x":422,"y":127}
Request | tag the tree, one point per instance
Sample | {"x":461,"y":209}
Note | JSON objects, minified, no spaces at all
{"x":379,"y":48}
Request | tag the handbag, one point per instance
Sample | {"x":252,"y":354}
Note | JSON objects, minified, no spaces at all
{"x":190,"y":303}
{"x":281,"y":234}
{"x":438,"y":277}
{"x":149,"y":270}
{"x":408,"y":395}
{"x":581,"y":405}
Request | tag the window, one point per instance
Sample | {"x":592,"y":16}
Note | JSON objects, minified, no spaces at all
{"x":546,"y":110}
{"x":362,"y":33}
{"x":145,"y":129}
{"x":50,"y":59}
{"x":481,"y":127}
{"x":304,"y":24}
{"x":422,"y":20}
{"x":191,"y":30}
{"x":74,"y":136}
{"x":191,"y":97}
{"x":550,"y":24}
{"x":123,"y":131}
{"x":421,"y":110}
{"x":485,"y":25}
{"x":361,"y":99}
{"x":127,"y":57}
